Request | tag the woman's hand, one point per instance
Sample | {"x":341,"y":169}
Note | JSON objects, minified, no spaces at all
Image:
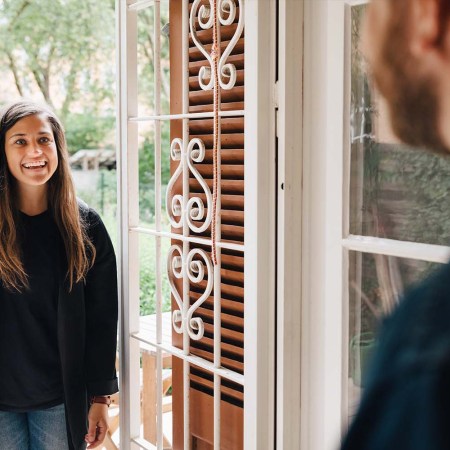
{"x":98,"y":425}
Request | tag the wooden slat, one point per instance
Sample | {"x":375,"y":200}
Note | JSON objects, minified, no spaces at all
{"x":232,"y":221}
{"x":233,"y":233}
{"x":196,"y":55}
{"x":228,"y":171}
{"x":228,"y":306}
{"x":228,"y":140}
{"x":227,"y":155}
{"x":233,"y":276}
{"x":227,"y":186}
{"x":206,"y":97}
{"x":231,"y":307}
{"x":207,"y":384}
{"x":227,"y":320}
{"x":234,"y":106}
{"x":194,"y":85}
{"x":227,"y":201}
{"x":233,"y":351}
{"x":226,"y":362}
{"x":227,"y":289}
{"x":205,"y":126}
{"x":232,"y":260}
{"x":226,"y":33}
{"x":237,"y":60}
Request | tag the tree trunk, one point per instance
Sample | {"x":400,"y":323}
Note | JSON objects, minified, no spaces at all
{"x":13,"y":68}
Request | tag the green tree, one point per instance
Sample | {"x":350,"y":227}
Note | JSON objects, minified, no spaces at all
{"x":61,"y":49}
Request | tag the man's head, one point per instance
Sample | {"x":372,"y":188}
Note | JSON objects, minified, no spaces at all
{"x":407,"y":45}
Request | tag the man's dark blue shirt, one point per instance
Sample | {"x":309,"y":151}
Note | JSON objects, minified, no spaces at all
{"x":406,"y":403}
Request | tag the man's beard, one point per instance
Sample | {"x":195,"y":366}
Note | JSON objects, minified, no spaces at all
{"x":411,"y":95}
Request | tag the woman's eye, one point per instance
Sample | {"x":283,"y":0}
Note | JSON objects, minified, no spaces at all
{"x":44,"y":140}
{"x":21,"y":142}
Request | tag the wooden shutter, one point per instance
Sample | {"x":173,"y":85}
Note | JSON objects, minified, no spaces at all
{"x":232,"y":229}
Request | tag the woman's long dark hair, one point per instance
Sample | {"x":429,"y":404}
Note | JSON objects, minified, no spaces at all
{"x":62,"y":202}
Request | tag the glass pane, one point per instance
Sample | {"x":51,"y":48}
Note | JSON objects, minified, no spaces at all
{"x":148,"y":279}
{"x":147,"y":57}
{"x":396,"y":192}
{"x":147,"y":172}
{"x":169,"y":132}
{"x":376,"y":283}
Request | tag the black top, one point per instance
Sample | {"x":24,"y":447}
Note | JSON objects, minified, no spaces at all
{"x":30,"y":368}
{"x":406,"y":404}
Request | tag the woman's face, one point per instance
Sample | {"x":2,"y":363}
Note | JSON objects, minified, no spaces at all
{"x":30,"y":150}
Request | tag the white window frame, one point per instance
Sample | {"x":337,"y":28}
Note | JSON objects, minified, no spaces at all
{"x":289,"y":95}
{"x":326,"y":238}
{"x":260,"y":217}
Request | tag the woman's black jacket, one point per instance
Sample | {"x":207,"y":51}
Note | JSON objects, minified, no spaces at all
{"x":87,"y":332}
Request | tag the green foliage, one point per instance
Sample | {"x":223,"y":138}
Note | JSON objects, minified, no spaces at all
{"x":85,"y":131}
{"x":147,"y":254}
{"x":147,"y":172}
{"x":60,"y":49}
{"x":146,"y":70}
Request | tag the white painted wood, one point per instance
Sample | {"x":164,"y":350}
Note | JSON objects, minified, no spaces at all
{"x":128,"y":216}
{"x":158,"y":193}
{"x":180,"y":237}
{"x":260,"y":217}
{"x":203,"y":115}
{"x":326,"y":238}
{"x":401,"y":249}
{"x":197,"y":361}
{"x":140,"y":4}
{"x":260,"y":242}
{"x":289,"y":191}
{"x":322,"y":309}
{"x":186,"y":231}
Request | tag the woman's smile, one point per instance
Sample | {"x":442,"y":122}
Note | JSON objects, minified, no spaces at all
{"x":34,"y":165}
{"x":31,"y":151}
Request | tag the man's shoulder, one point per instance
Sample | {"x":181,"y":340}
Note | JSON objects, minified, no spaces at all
{"x":428,"y":300}
{"x":417,"y":335}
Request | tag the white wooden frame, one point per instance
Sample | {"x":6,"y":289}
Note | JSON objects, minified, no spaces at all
{"x":260,"y":216}
{"x":326,"y":238}
{"x":289,"y":230}
{"x":323,"y":263}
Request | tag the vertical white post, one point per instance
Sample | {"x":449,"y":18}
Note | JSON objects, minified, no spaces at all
{"x":157,"y":93}
{"x":260,"y":215}
{"x":289,"y":189}
{"x":186,"y":300}
{"x":323,"y":259}
{"x":128,"y":217}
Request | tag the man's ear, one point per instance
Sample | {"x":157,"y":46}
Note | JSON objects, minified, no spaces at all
{"x":425,"y":26}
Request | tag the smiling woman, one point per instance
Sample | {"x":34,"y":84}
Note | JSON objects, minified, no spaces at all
{"x":32,"y":160}
{"x":58,"y":293}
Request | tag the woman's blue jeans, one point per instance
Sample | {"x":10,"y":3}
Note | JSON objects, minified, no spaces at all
{"x":36,"y":430}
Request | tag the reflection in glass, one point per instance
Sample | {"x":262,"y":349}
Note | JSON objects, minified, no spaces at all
{"x":376,"y":283}
{"x":396,"y":192}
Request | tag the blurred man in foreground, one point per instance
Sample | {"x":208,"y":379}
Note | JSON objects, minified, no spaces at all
{"x":406,"y":405}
